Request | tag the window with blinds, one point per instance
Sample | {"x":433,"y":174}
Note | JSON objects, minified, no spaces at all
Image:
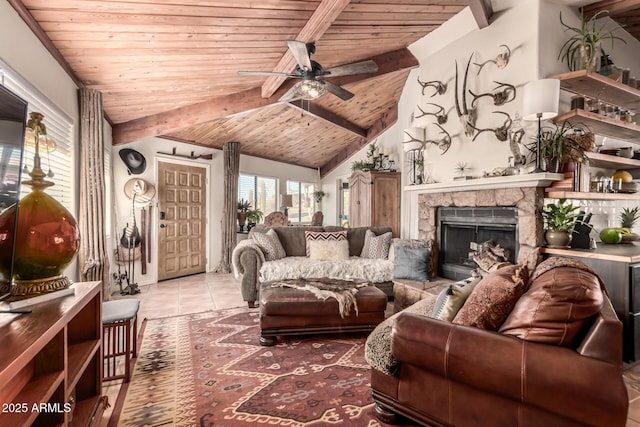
{"x":59,"y":164}
{"x":304,"y":204}
{"x":260,"y":191}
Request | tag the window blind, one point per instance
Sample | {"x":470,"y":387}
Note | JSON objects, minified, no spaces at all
{"x":59,"y":127}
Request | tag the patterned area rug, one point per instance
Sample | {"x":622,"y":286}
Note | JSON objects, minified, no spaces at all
{"x":208,"y":369}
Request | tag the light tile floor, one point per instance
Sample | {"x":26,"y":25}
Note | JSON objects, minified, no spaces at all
{"x":213,"y":291}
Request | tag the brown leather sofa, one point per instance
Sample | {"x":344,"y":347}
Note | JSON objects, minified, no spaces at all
{"x":447,"y":374}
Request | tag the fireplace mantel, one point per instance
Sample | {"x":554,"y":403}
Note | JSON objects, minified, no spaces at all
{"x":524,"y":180}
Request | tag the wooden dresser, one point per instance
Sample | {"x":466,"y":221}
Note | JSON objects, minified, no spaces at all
{"x":51,"y":362}
{"x":375,"y":200}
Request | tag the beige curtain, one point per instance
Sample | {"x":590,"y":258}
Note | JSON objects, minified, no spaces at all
{"x":231,"y":159}
{"x":94,"y":262}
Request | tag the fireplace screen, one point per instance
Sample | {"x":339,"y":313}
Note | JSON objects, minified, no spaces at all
{"x":460,"y":229}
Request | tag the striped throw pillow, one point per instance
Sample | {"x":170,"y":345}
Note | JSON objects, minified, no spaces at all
{"x":311,"y":236}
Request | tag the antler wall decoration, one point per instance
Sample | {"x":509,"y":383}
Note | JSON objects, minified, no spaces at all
{"x":467,"y":115}
{"x":443,"y":143}
{"x":440,"y":87}
{"x":440,"y":115}
{"x":501,"y":132}
{"x":505,"y":93}
{"x":501,"y":61}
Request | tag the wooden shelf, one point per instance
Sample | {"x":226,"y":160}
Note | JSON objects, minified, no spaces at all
{"x":595,"y":85}
{"x":51,"y":354}
{"x":87,"y":412}
{"x":607,"y":161}
{"x":80,"y":355}
{"x":38,"y":390}
{"x":590,"y":196}
{"x":602,"y":125}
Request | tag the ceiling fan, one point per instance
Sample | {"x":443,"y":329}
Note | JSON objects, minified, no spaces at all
{"x":311,"y":73}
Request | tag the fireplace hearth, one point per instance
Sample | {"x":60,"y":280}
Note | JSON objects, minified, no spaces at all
{"x":461,"y":229}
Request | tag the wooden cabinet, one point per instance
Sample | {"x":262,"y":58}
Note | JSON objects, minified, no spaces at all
{"x":51,"y":362}
{"x":375,"y":200}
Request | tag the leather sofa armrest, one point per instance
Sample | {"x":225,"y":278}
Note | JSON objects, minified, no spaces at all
{"x":520,"y":370}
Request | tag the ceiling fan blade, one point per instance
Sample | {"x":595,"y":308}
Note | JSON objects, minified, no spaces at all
{"x":289,"y":95}
{"x":338,"y":91}
{"x":265,"y":73}
{"x":300,"y":53}
{"x":355,"y":68}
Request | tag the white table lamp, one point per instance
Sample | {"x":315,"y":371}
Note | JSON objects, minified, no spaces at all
{"x":540,"y":102}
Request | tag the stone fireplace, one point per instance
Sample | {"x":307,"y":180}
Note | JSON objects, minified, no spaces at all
{"x":526,"y":202}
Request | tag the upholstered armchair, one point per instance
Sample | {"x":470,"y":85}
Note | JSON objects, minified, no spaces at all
{"x":555,"y":361}
{"x":276,"y":219}
{"x":317,"y":219}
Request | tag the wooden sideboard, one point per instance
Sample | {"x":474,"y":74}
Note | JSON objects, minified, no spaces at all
{"x":51,"y":362}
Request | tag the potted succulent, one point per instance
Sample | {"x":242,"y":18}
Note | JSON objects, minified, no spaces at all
{"x":318,"y":195}
{"x":584,"y":49}
{"x":244,"y":206}
{"x":560,"y":218}
{"x":254,"y":216}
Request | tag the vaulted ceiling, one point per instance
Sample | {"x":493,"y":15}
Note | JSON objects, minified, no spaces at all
{"x":169,"y":67}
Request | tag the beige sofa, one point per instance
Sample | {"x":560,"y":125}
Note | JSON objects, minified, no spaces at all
{"x":249,"y":261}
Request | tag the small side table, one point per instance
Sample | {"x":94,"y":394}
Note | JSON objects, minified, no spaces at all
{"x":408,"y":292}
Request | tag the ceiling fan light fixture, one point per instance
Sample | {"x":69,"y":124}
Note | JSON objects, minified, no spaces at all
{"x":310,"y":89}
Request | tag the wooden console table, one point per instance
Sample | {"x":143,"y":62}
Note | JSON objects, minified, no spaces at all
{"x":51,"y":362}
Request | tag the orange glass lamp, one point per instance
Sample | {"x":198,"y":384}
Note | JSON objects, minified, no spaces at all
{"x":46,"y":234}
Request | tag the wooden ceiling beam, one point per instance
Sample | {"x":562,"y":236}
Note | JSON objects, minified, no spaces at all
{"x":614,"y":7}
{"x":227,"y":105}
{"x":482,"y":12}
{"x":388,"y":119}
{"x":325,"y":14}
{"x":318,"y":112}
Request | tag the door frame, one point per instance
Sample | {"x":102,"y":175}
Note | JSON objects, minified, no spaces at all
{"x":155,"y":221}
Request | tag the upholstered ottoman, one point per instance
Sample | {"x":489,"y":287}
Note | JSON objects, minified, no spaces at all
{"x":286,"y":309}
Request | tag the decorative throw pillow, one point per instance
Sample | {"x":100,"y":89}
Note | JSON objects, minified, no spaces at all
{"x":310,"y":236}
{"x":376,"y":247}
{"x":270,"y":245}
{"x":411,"y":263}
{"x":493,"y":298}
{"x":453,"y":297}
{"x":556,"y":308}
{"x":413,"y":243}
{"x":329,"y":250}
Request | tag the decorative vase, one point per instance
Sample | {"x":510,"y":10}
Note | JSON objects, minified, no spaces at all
{"x":557,"y":239}
{"x":242,"y":219}
{"x":45,"y":238}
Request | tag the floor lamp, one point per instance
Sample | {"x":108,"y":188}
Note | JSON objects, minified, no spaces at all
{"x":540,"y":102}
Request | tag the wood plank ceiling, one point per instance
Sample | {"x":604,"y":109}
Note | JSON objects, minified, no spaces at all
{"x":169,"y":67}
{"x":625,"y":12}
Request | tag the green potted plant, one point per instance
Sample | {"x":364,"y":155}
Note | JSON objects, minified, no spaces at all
{"x":584,"y":48}
{"x":562,"y":146}
{"x":318,"y":195}
{"x":560,"y":218}
{"x":244,"y":206}
{"x":254,"y":216}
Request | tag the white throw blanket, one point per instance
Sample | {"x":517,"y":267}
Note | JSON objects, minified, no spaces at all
{"x":355,"y":268}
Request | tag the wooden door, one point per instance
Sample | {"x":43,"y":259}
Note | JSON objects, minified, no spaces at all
{"x":182,"y":211}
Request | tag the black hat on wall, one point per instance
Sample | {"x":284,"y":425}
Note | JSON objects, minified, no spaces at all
{"x":135,"y":162}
